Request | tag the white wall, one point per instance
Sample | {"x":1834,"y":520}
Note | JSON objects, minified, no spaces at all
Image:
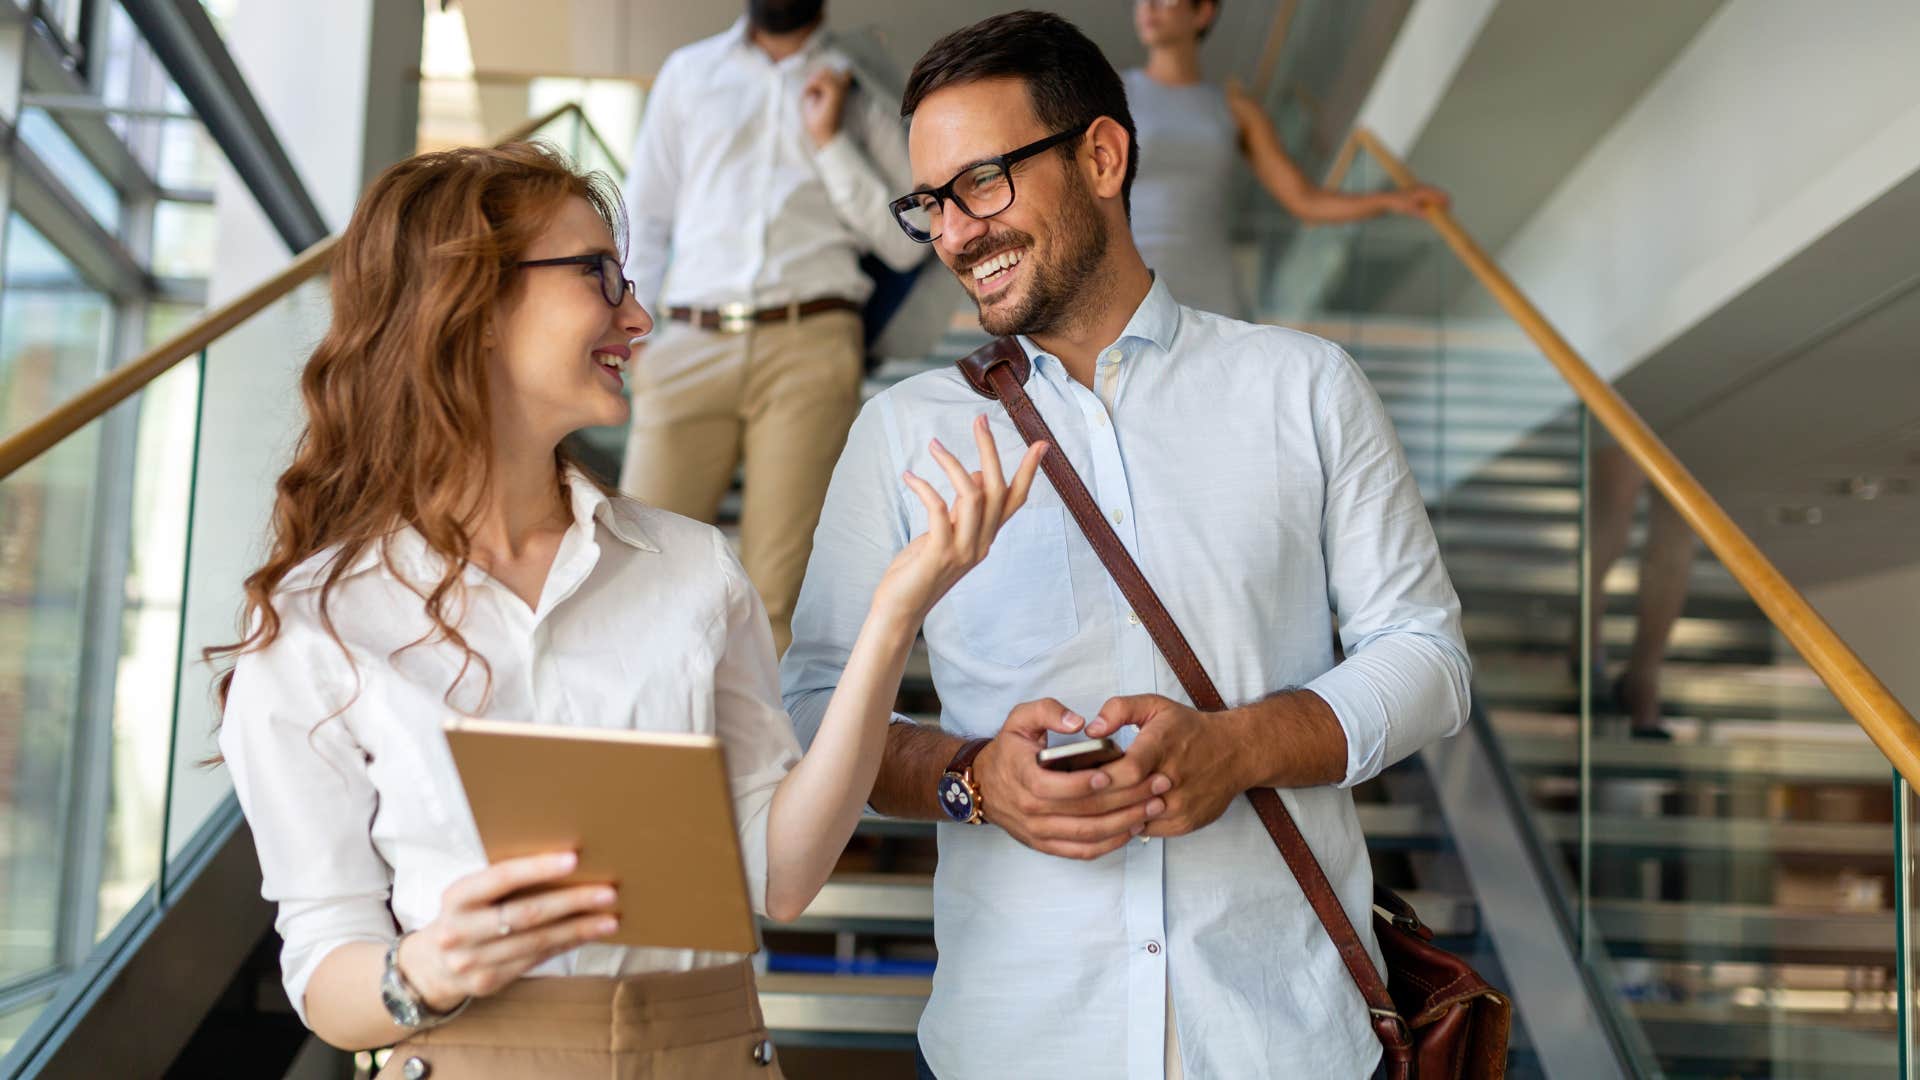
{"x":308,"y":67}
{"x":1426,"y":55}
{"x":1879,"y":617}
{"x":1778,"y":121}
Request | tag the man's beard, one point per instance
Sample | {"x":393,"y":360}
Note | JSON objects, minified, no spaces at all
{"x":783,"y":16}
{"x":1056,"y":289}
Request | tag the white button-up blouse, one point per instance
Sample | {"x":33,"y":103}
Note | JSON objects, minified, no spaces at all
{"x":646,"y":622}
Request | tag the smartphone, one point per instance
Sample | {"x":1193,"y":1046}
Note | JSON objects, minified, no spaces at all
{"x":1085,"y":754}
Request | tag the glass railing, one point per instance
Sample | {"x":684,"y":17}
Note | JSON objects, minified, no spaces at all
{"x":1907,"y":919}
{"x":1721,"y":828}
{"x":108,"y":237}
{"x":576,"y":135}
{"x":85,"y":747}
{"x":108,"y":591}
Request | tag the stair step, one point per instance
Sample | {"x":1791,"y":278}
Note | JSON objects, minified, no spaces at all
{"x":1497,"y":636}
{"x":1551,"y":502}
{"x":1753,"y":931}
{"x":1430,"y":374}
{"x":1739,"y":836}
{"x":874,"y":903}
{"x":1556,"y":575}
{"x":1824,"y":1043}
{"x":1842,"y":755}
{"x":1473,"y":415}
{"x":1498,"y":535}
{"x":1711,"y":691}
{"x":874,"y":1010}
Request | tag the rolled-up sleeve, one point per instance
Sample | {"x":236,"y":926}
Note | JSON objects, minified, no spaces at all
{"x":748,"y":719}
{"x":1406,"y":679}
{"x":864,"y":168}
{"x":652,"y":191}
{"x":862,"y":527}
{"x":303,"y":783}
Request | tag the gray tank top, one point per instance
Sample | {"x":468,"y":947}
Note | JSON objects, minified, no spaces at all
{"x":1182,"y":220}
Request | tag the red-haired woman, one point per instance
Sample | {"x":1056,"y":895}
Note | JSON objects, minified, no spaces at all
{"x":435,"y":551}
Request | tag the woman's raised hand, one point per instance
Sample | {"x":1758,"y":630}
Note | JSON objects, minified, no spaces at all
{"x":482,"y":940}
{"x":957,"y":536}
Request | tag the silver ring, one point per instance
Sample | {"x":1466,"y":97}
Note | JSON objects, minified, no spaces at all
{"x":505,"y":926}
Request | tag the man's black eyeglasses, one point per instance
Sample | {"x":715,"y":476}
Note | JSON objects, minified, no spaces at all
{"x":614,"y":286}
{"x":980,"y":190}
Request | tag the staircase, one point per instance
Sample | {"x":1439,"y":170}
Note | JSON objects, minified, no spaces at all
{"x":1739,"y":896}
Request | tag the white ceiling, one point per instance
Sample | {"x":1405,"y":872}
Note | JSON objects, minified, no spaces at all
{"x":1543,"y":82}
{"x":1809,"y":379}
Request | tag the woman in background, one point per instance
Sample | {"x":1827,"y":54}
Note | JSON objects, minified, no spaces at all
{"x":1192,"y":135}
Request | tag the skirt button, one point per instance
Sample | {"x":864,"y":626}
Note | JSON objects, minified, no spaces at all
{"x":415,"y":1069}
{"x":763,"y":1052}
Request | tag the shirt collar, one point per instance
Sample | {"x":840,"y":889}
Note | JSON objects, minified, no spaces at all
{"x":1156,"y":320}
{"x":740,"y":34}
{"x":620,"y":516}
{"x":313,"y":571}
{"x":412,"y":556}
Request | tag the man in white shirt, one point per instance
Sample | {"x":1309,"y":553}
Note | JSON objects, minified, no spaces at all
{"x":1253,"y":474}
{"x":761,"y":173}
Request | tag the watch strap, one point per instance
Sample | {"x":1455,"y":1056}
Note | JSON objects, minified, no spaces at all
{"x":959,"y":775}
{"x":963,"y":760}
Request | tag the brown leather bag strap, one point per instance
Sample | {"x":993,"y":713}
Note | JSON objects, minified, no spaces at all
{"x":1000,"y":378}
{"x":998,"y":370}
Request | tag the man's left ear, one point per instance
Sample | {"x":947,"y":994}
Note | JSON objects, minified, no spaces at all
{"x":1112,"y":148}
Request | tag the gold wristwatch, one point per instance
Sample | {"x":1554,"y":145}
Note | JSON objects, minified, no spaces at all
{"x":959,"y":795}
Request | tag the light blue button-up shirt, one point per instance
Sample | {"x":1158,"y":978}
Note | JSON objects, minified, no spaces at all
{"x":1255,"y":477}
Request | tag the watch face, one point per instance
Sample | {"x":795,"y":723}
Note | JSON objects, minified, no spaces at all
{"x":955,"y":798}
{"x":404,"y":1010}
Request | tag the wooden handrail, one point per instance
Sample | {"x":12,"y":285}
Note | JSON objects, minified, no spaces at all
{"x":127,"y":379}
{"x":1277,"y":31}
{"x":1342,"y":161}
{"x":1860,"y":691}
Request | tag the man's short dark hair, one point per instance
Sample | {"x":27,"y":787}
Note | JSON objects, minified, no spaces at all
{"x":1068,"y":78}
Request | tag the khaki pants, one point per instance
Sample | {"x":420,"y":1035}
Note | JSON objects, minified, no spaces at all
{"x":699,"y":1025}
{"x":781,"y":396}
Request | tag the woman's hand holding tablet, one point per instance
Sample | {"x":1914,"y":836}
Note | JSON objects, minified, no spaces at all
{"x":482,"y":940}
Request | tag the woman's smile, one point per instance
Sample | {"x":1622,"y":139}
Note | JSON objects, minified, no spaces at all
{"x":611,"y":361}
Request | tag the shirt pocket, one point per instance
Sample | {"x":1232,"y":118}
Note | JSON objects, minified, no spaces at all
{"x":1018,"y":604}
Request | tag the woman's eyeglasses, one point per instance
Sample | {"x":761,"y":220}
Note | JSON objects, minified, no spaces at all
{"x":980,"y":190}
{"x":614,"y":286}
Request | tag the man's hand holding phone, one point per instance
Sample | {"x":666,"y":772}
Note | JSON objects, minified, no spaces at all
{"x":1076,"y":815}
{"x":1205,"y":754}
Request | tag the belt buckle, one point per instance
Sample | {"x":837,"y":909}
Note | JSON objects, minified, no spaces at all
{"x":735,"y":318}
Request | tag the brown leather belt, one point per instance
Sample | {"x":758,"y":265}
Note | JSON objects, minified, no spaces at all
{"x":739,"y":318}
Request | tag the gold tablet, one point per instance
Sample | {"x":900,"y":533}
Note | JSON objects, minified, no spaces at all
{"x":649,"y":812}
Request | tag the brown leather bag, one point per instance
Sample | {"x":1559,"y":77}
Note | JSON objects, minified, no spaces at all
{"x":1436,"y":1018}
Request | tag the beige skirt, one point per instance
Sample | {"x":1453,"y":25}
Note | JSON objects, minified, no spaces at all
{"x":704,"y":1023}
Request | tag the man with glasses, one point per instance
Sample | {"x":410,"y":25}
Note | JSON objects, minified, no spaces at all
{"x":1132,"y":920}
{"x":764,"y":169}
